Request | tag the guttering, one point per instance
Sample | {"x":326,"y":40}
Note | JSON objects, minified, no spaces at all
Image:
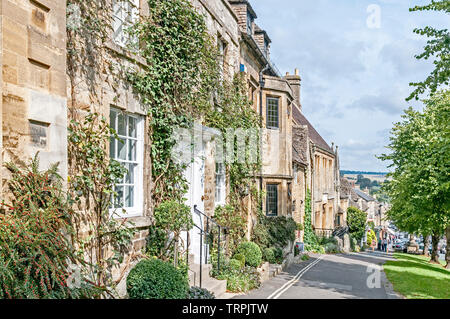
{"x":261,"y":87}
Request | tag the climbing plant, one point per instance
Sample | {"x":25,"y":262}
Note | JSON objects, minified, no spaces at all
{"x":309,"y":237}
{"x":176,"y":86}
{"x":99,"y":235}
{"x":183,"y":83}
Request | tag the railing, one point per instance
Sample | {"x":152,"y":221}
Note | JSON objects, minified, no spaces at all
{"x":207,"y":234}
{"x":340,"y":231}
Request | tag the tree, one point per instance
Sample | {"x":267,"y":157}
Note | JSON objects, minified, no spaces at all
{"x":420,"y":182}
{"x":356,"y":221}
{"x":365,"y":183}
{"x":438,"y":47}
{"x":359,"y":178}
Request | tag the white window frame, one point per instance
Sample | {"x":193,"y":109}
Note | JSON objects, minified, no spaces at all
{"x":138,"y":200}
{"x":125,"y":14}
{"x":220,"y":185}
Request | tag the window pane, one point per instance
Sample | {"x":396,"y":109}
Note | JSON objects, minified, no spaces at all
{"x":272,"y":200}
{"x":132,"y":127}
{"x":113,"y":119}
{"x":119,"y":197}
{"x":122,"y":149}
{"x":131,"y":150}
{"x":129,"y":199}
{"x":122,"y":124}
{"x":272,"y":113}
{"x":129,"y":179}
{"x":112,"y":147}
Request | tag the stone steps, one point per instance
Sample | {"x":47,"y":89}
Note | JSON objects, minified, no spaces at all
{"x":218,"y":287}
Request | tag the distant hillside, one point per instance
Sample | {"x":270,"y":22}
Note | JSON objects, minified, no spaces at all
{"x":344,"y":172}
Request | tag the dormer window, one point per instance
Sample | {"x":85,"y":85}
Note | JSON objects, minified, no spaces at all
{"x":249,"y":24}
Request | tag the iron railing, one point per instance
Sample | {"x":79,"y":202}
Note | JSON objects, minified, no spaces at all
{"x":206,"y":232}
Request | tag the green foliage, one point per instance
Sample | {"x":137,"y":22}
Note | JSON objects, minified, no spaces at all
{"x":419,"y":187}
{"x":356,"y":221}
{"x":251,"y":252}
{"x":35,"y":253}
{"x":296,"y":251}
{"x":240,"y":258}
{"x":274,"y":231}
{"x":156,"y":279}
{"x":92,"y":179}
{"x":331,"y":248}
{"x":180,"y":55}
{"x":200,"y":293}
{"x":269,"y":255}
{"x":437,"y":48}
{"x":305,"y":257}
{"x":243,"y":280}
{"x":229,"y":216}
{"x":235,"y":264}
{"x":309,"y":237}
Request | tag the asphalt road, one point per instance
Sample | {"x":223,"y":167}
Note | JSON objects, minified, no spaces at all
{"x":341,"y":276}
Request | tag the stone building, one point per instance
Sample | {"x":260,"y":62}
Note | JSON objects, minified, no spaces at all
{"x":321,"y":176}
{"x":34,"y":98}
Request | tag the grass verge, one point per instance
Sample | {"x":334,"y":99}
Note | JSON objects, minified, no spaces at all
{"x":415,"y":278}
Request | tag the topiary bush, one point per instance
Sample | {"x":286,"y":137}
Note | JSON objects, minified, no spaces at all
{"x":155,"y":279}
{"x":251,"y":252}
{"x":269,"y":255}
{"x":200,"y":293}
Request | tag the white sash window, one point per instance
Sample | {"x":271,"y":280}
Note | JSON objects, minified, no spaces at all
{"x":128,"y":150}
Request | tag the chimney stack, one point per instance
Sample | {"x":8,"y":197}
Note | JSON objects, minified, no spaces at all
{"x":295,"y":83}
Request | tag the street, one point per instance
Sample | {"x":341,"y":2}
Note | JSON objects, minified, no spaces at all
{"x":341,"y":276}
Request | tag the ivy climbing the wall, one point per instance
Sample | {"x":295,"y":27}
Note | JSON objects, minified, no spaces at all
{"x":309,"y":237}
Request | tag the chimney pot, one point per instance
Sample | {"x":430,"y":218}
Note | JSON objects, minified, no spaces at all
{"x":296,"y":72}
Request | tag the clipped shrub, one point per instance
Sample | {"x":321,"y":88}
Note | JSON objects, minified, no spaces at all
{"x":269,"y":255}
{"x":200,"y":293}
{"x":251,"y":252}
{"x":155,"y":279}
{"x":274,"y":231}
{"x":235,"y":265}
{"x":241,"y":258}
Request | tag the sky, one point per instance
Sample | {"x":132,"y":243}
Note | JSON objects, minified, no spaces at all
{"x":356,"y":60}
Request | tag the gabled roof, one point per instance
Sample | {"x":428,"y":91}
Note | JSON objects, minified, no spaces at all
{"x":364,"y":196}
{"x":313,"y":134}
{"x":300,"y":144}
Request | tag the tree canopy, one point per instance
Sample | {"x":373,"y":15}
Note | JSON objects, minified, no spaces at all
{"x":437,"y":48}
{"x":420,"y":183}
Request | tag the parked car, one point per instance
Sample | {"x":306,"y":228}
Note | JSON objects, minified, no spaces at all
{"x":400,"y":246}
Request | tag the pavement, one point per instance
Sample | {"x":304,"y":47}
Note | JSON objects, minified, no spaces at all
{"x":340,"y":276}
